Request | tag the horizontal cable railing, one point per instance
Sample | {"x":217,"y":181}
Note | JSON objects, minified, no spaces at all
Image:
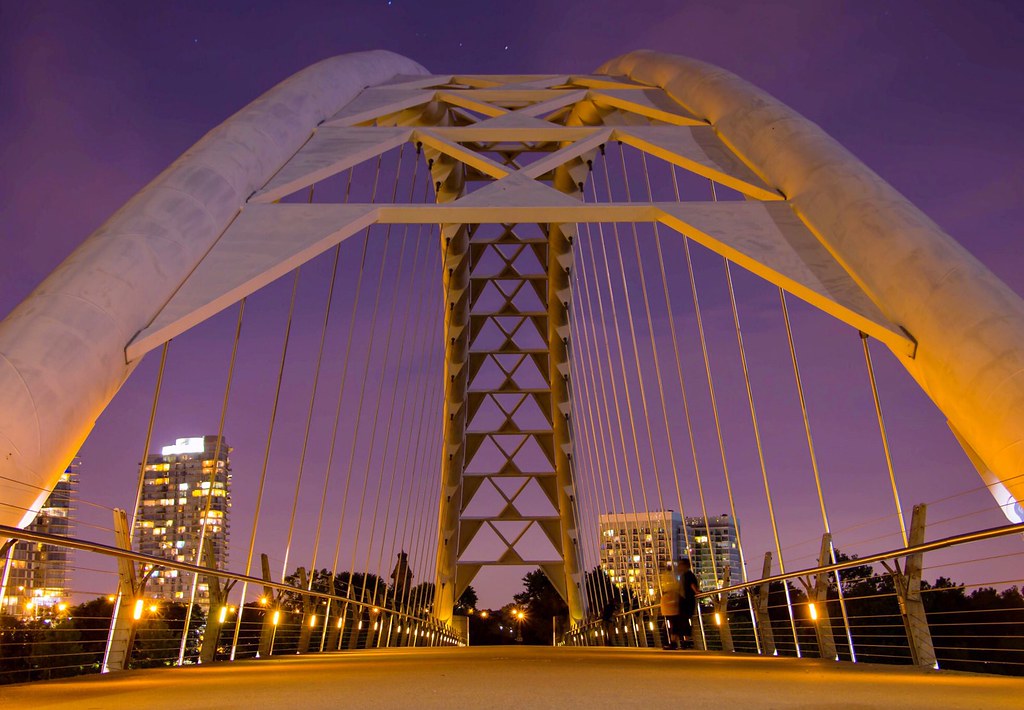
{"x":43,"y":638}
{"x":973,"y":626}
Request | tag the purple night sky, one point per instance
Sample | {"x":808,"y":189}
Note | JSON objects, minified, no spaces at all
{"x":96,"y":98}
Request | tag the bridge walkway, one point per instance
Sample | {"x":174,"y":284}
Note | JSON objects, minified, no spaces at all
{"x":524,"y":677}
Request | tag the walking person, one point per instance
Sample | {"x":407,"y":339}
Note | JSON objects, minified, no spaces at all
{"x":670,"y":605}
{"x":611,"y":608}
{"x":689,"y":587}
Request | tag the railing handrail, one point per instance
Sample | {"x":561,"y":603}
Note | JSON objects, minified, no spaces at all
{"x":941,"y":543}
{"x":100,"y":548}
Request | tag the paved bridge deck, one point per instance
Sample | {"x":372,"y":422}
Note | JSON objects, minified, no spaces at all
{"x":524,"y":677}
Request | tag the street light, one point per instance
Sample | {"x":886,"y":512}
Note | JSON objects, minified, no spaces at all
{"x":519,"y":615}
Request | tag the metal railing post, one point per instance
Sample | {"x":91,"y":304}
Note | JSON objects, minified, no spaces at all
{"x":908,"y":594}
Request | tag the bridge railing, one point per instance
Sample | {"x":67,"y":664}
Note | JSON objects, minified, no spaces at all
{"x":975,"y":625}
{"x":43,"y":637}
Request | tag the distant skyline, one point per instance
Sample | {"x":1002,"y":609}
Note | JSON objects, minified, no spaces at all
{"x":97,"y":98}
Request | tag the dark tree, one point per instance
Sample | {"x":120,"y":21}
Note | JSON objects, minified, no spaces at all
{"x":542,"y":603}
{"x":467,"y":601}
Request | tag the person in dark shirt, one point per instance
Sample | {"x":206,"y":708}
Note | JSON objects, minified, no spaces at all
{"x":689,"y":587}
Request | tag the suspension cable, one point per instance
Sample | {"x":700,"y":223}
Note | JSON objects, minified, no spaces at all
{"x":654,"y":347}
{"x":885,"y":439}
{"x":760,"y":449}
{"x":584,"y":508}
{"x":636,"y":352}
{"x":647,"y":581}
{"x":814,"y":468}
{"x":598,"y":376}
{"x":696,"y":308}
{"x":362,"y":392}
{"x":416,"y":505}
{"x":409,"y":537}
{"x":362,"y":381}
{"x":312,"y":399}
{"x":213,"y":476}
{"x":262,"y":482}
{"x":138,"y":497}
{"x":583,"y":393}
{"x":302,"y":457}
{"x":725,"y":469}
{"x":394,"y":391}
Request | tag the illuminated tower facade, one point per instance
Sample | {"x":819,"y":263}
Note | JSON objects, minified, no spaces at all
{"x":636,"y":546}
{"x":713,"y":547}
{"x":38,"y":575}
{"x":186,"y":485}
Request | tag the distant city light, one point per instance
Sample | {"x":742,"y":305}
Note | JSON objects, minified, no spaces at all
{"x":191,"y":445}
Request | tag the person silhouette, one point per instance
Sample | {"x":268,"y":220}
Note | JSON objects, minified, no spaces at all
{"x":689,"y":588}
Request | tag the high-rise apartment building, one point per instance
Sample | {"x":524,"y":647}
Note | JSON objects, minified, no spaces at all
{"x":37,"y":576}
{"x":713,"y":546}
{"x":636,"y":546}
{"x":186,"y":485}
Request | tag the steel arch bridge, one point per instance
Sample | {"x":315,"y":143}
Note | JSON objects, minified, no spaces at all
{"x":513,"y":192}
